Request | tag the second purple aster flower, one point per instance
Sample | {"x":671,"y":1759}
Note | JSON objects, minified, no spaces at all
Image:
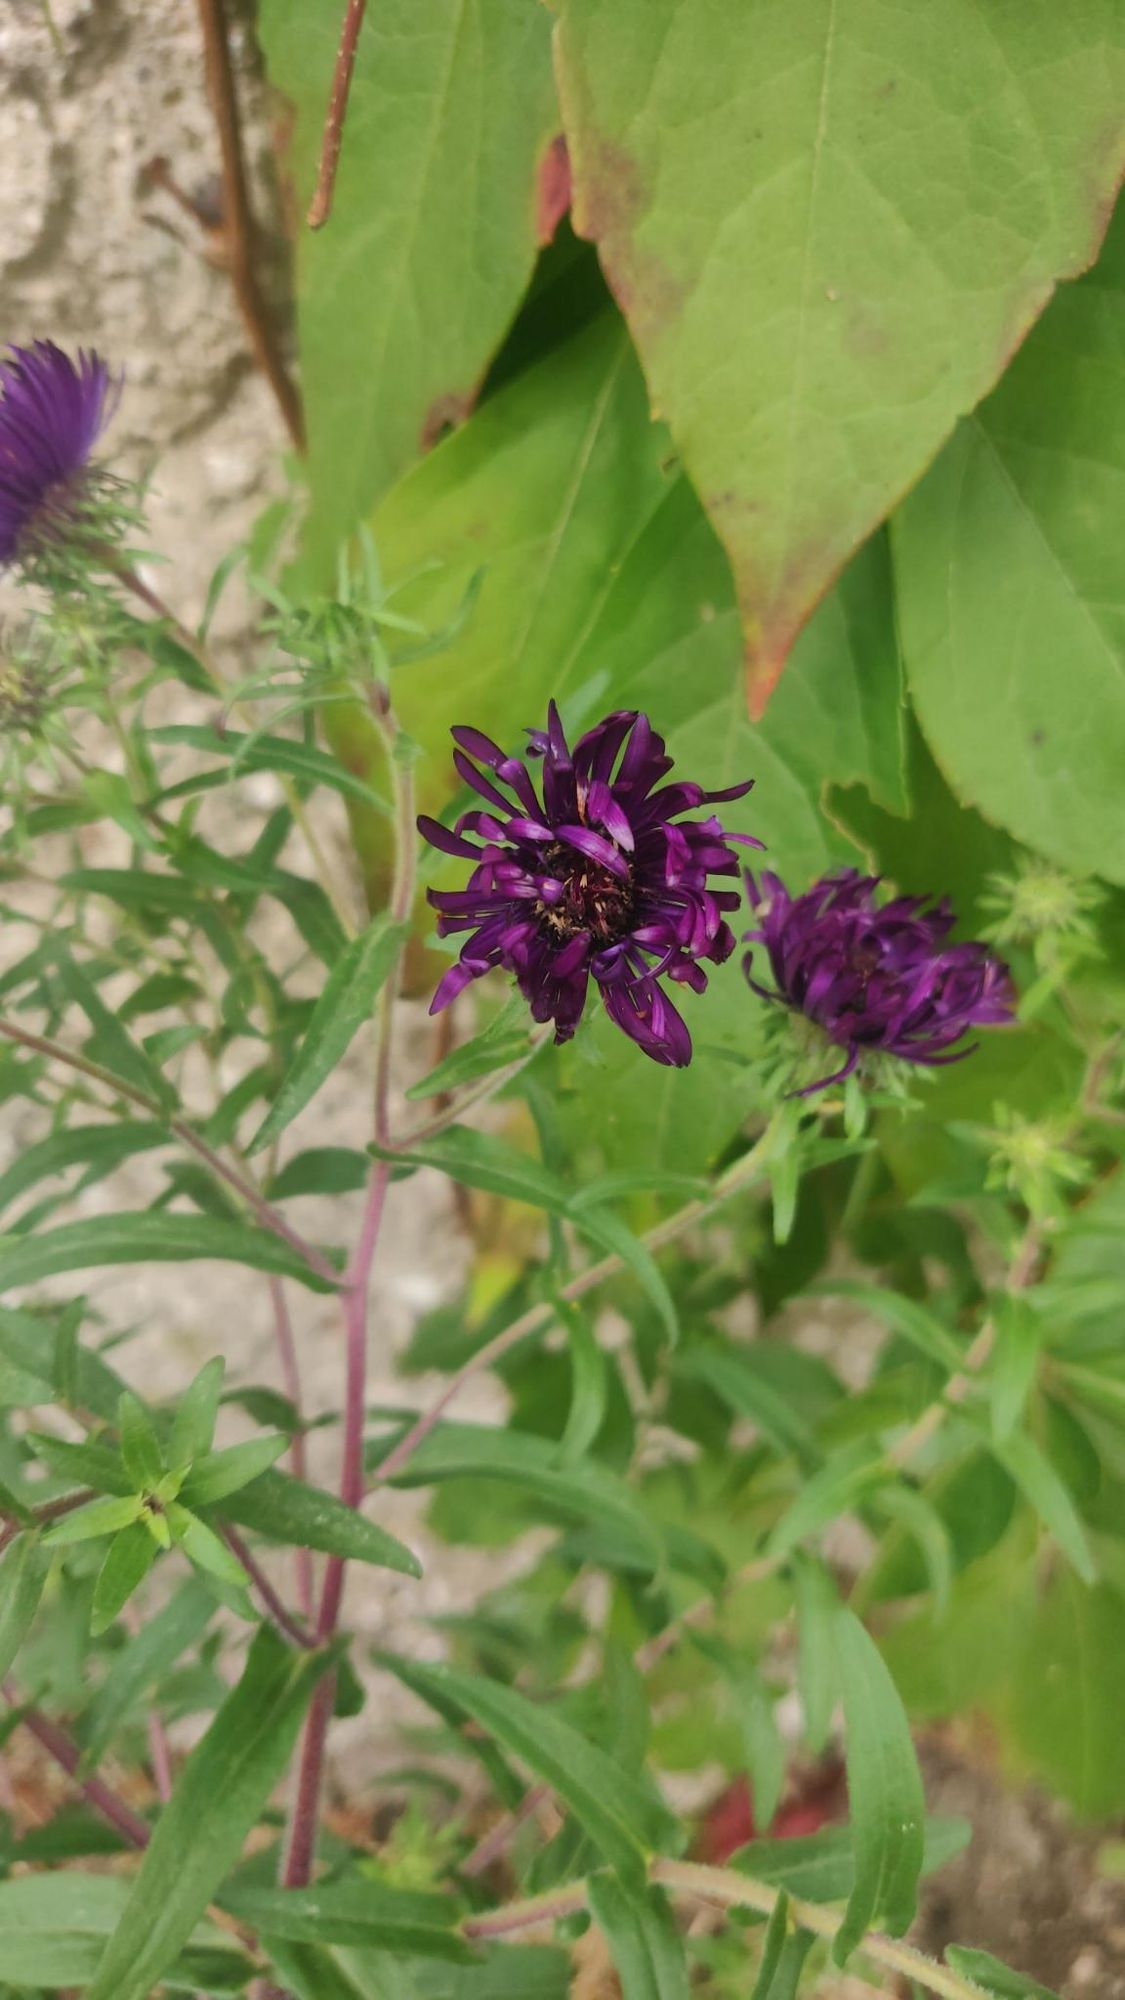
{"x":596,"y":875}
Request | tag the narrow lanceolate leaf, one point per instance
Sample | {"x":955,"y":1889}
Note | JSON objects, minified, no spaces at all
{"x":817,"y":1602}
{"x":481,"y":1160}
{"x":821,"y":1866}
{"x":54,"y":1924}
{"x":140,"y":1664}
{"x":202,"y":1546}
{"x":287,"y":1510}
{"x":114,"y":1047}
{"x":140,"y":1451}
{"x":784,"y":1952}
{"x":346,"y":1002}
{"x":128,"y":1560}
{"x":221,"y":1473}
{"x":261,"y":753}
{"x":992,"y":1976}
{"x":504,"y":1041}
{"x":401,"y":303}
{"x":23,"y":1572}
{"x":217,"y":1800}
{"x":884,"y":1791}
{"x":903,"y":1316}
{"x":98,"y":1148}
{"x":147,"y":1236}
{"x":623,"y":1818}
{"x":193,"y":1425}
{"x":1040,"y":1484}
{"x":99,"y":1517}
{"x":895,"y":195}
{"x":353,"y":1913}
{"x":610,"y":1233}
{"x":643,"y":1940}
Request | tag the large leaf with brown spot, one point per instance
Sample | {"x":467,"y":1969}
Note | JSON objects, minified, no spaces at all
{"x":828,"y":226}
{"x":405,"y":295}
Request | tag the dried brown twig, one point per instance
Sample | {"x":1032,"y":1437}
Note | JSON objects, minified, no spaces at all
{"x":238,"y":219}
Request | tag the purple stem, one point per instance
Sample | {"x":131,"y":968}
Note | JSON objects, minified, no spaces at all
{"x":291,"y":1377}
{"x":58,"y":1745}
{"x":286,"y":1624}
{"x":303,"y":1822}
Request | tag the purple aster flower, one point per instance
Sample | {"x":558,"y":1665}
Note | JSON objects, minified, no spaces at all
{"x":52,"y":412}
{"x":875,"y":979}
{"x":600,"y":879}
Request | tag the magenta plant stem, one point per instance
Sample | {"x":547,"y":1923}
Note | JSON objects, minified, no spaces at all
{"x":275,"y":1610}
{"x":58,"y":1745}
{"x":298,"y":1458}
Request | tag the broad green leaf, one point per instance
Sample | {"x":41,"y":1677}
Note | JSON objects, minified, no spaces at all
{"x":821,"y":1866}
{"x":353,"y":1913}
{"x":483,"y":1160}
{"x":1010,"y":585}
{"x":993,"y":1977}
{"x":321,"y":1170}
{"x":346,"y":1002}
{"x":139,"y":1665}
{"x":572,"y":1492}
{"x":98,"y":1148}
{"x":140,"y":1451}
{"x":884,"y":1791}
{"x":54,"y":1924}
{"x":503,"y":1041}
{"x":1041,"y":1486}
{"x":98,"y":1517}
{"x":193,"y":1425}
{"x":644,"y":1943}
{"x":128,"y":1560}
{"x":783,"y":1955}
{"x":147,"y":1236}
{"x":828,"y":229}
{"x":221,"y":1473}
{"x":113,"y":1045}
{"x":247,"y":753}
{"x":286,"y":1510}
{"x":23,"y":1572}
{"x":622,"y":1817}
{"x":402,"y":301}
{"x":218,"y":1797}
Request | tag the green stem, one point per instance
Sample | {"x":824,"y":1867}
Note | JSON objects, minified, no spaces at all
{"x":731,"y":1890}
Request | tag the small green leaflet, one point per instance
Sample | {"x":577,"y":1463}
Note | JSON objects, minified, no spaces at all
{"x":140,"y":1451}
{"x":98,"y":1517}
{"x":345,"y":1003}
{"x":321,"y":1170}
{"x":287,"y":1510}
{"x":218,"y":1798}
{"x":148,"y":1236}
{"x":994,"y":1977}
{"x":884,"y":1791}
{"x":641,"y":1932}
{"x":622,"y":1816}
{"x":220,"y":1473}
{"x":193,"y":1425}
{"x":128,"y":1560}
{"x":1020,"y":1332}
{"x":23,"y":1572}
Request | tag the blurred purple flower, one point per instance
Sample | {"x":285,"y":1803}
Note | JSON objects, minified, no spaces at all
{"x":52,"y":411}
{"x":875,"y":978}
{"x":601,"y":880}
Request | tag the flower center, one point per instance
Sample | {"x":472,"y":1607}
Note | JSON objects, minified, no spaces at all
{"x":593,"y":900}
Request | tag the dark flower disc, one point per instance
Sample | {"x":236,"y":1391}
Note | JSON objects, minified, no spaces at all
{"x":53,"y":409}
{"x":600,"y":878}
{"x":875,"y":977}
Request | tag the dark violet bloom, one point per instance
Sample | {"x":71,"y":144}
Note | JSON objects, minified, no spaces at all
{"x":875,"y":979}
{"x":600,"y":879}
{"x":52,"y":411}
